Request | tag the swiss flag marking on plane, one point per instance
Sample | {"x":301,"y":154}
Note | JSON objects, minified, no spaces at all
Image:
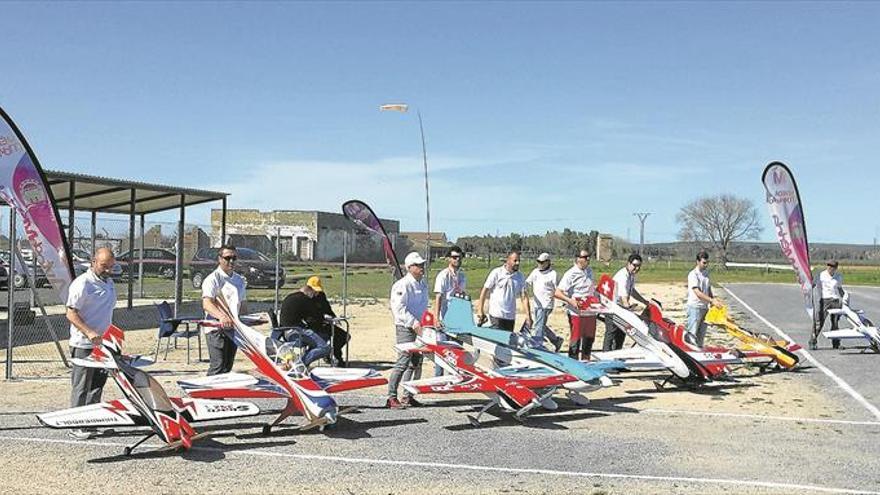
{"x":606,"y":287}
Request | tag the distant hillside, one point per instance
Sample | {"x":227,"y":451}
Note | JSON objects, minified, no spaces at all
{"x":766,"y":251}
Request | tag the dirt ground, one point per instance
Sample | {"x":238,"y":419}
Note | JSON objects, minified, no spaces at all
{"x":372,"y":346}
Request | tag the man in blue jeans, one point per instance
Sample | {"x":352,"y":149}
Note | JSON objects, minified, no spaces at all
{"x":297,"y":310}
{"x":699,"y":297}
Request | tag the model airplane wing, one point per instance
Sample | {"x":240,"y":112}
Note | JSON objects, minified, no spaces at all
{"x":635,"y":358}
{"x":459,"y":322}
{"x":232,"y":385}
{"x":102,"y":415}
{"x":196,"y":410}
{"x":342,"y":379}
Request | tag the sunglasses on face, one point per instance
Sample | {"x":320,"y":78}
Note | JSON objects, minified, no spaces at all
{"x":637,"y":265}
{"x":456,"y":256}
{"x":583,"y":257}
{"x":229,"y":258}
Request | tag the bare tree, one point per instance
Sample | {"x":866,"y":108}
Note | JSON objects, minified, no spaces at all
{"x":719,"y":220}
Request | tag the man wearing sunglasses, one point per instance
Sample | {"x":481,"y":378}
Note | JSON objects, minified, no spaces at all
{"x":449,"y":282}
{"x":699,"y":297}
{"x":577,"y":284}
{"x":221,"y":347}
{"x":624,"y":289}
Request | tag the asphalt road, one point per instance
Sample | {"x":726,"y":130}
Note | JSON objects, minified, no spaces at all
{"x":782,"y":305}
{"x":621,"y":444}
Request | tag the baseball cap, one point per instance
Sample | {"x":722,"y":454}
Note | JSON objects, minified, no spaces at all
{"x":315,"y":283}
{"x":544,"y":257}
{"x":832,"y":263}
{"x":413,"y":258}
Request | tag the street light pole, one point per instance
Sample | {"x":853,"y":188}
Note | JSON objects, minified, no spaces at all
{"x":403,"y":108}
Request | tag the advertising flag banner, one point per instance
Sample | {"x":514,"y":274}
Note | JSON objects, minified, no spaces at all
{"x":23,"y":187}
{"x":363,"y":216}
{"x":787,"y":217}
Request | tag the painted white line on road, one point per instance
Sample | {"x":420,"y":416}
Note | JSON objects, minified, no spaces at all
{"x":839,"y":381}
{"x":334,"y":460}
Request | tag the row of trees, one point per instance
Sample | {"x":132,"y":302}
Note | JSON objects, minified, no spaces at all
{"x":712,"y":221}
{"x":554,"y":242}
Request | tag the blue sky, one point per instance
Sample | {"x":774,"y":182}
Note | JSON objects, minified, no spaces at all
{"x":537,"y":116}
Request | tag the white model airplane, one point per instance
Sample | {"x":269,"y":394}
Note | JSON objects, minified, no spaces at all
{"x":307,"y":392}
{"x":650,"y":352}
{"x":861,"y":328}
{"x":145,"y":402}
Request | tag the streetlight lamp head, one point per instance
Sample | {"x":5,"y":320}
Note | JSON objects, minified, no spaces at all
{"x":394,"y":107}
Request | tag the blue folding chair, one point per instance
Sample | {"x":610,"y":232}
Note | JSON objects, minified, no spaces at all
{"x":168,"y":329}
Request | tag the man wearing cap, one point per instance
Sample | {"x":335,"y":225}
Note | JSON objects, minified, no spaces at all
{"x":409,"y":301}
{"x":221,"y":346}
{"x":831,"y":282}
{"x":542,"y":280}
{"x":577,"y":284}
{"x":624,"y":289}
{"x":699,"y":297}
{"x":299,"y":310}
{"x":506,"y":283}
{"x":449,"y":282}
{"x":320,"y":323}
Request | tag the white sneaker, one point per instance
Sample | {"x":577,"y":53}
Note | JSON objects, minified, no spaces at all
{"x":79,"y":434}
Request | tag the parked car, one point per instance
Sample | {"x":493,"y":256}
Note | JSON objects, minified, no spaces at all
{"x":82,"y":260}
{"x":157,"y":261}
{"x":256,"y":268}
{"x":20,"y":278}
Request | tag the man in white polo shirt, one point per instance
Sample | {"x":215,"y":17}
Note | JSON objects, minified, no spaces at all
{"x":506,"y":283}
{"x":699,"y":297}
{"x":409,"y":301}
{"x":624,"y":289}
{"x":577,"y":283}
{"x":221,"y":346}
{"x":542,"y":280}
{"x":90,"y":302}
{"x":831,"y":283}
{"x":449,"y":282}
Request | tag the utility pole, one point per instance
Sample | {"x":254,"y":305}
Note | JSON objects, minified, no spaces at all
{"x":642,"y":217}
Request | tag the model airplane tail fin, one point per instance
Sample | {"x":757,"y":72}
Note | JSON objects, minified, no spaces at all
{"x":459,"y":314}
{"x":101,"y":355}
{"x":428,"y":320}
{"x":606,"y":287}
{"x":717,"y":316}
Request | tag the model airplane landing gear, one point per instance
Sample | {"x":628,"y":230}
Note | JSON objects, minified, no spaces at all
{"x":127,"y":451}
{"x":578,"y":399}
{"x":475,"y":421}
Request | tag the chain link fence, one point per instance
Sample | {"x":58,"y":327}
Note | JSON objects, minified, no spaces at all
{"x":144,"y":275}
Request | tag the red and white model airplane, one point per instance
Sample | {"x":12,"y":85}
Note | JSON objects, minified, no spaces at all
{"x":690,"y":366}
{"x":145,"y":402}
{"x":307,"y":393}
{"x":519,"y":388}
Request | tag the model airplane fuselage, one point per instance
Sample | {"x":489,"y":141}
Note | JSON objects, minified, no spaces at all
{"x":145,"y":402}
{"x":306,"y":393}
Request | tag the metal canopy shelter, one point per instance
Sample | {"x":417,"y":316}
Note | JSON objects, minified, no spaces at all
{"x":106,"y":195}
